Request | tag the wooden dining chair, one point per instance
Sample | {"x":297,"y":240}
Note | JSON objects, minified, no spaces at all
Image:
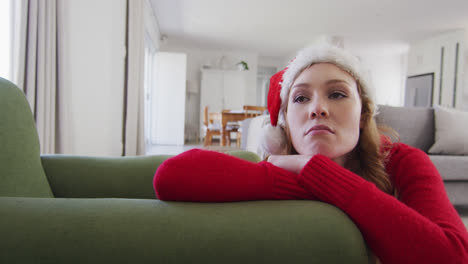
{"x":212,"y":125}
{"x":231,"y":127}
{"x":254,"y":110}
{"x":250,"y":111}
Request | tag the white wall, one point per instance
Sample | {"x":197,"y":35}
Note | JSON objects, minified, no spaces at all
{"x":91,"y":63}
{"x":387,"y":65}
{"x":425,"y":57}
{"x":388,"y":75}
{"x":278,"y":62}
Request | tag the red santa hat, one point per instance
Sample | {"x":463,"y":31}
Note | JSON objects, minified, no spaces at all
{"x":273,"y":140}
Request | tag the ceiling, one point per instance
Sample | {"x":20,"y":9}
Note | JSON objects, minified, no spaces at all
{"x":280,"y":27}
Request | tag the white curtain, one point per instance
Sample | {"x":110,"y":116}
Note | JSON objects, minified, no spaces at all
{"x":35,"y":63}
{"x":134,"y":140}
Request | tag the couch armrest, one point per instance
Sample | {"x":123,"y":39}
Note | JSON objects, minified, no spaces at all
{"x":244,"y":154}
{"x":99,"y":177}
{"x":54,"y":230}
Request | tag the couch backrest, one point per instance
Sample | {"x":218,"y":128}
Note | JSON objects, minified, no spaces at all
{"x":415,"y":125}
{"x":21,"y":172}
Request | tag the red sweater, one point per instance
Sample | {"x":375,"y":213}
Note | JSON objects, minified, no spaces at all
{"x":421,"y":226}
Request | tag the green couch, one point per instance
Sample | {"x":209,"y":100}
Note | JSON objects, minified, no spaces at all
{"x":75,"y":209}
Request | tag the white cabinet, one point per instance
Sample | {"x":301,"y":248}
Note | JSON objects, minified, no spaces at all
{"x":222,"y":89}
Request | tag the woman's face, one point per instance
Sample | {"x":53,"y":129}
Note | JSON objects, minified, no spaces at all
{"x":324,"y":112}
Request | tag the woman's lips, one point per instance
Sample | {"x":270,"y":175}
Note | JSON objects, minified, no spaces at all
{"x":320,"y":129}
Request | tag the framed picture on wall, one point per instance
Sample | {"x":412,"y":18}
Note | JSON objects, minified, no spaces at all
{"x":419,"y":90}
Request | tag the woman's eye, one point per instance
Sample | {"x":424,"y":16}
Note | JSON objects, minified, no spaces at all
{"x":337,"y":95}
{"x":300,"y":99}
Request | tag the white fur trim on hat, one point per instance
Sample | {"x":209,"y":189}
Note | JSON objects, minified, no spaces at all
{"x":273,"y":141}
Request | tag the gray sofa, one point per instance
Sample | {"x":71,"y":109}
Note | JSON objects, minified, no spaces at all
{"x":416,"y":128}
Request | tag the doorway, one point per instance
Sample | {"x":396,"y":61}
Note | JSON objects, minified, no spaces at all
{"x":264,"y":74}
{"x":166,"y":100}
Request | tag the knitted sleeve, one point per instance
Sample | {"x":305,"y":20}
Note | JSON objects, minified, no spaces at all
{"x":208,"y":176}
{"x":421,"y":226}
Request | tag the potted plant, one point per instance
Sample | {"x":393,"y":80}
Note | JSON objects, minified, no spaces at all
{"x":242,"y":66}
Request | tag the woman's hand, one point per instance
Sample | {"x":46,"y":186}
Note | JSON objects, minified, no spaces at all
{"x":293,"y":163}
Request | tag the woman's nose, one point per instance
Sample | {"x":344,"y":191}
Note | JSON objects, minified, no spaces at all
{"x":319,"y":109}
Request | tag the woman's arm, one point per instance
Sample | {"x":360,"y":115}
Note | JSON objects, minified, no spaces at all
{"x":208,"y":176}
{"x":421,"y":227}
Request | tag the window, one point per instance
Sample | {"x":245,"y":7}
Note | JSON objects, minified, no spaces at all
{"x":149,"y":83}
{"x":5,"y":44}
{"x":151,"y":43}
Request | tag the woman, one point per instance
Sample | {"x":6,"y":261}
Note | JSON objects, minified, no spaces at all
{"x":323,"y":144}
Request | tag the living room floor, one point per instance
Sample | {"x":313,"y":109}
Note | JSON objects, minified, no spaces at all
{"x":174,"y":150}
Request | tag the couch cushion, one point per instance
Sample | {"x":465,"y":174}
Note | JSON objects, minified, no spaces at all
{"x":450,"y":132}
{"x":21,"y":172}
{"x":255,"y":132}
{"x":415,"y":125}
{"x":453,"y":168}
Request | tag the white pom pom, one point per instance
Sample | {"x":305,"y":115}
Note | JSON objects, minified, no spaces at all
{"x":273,"y":141}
